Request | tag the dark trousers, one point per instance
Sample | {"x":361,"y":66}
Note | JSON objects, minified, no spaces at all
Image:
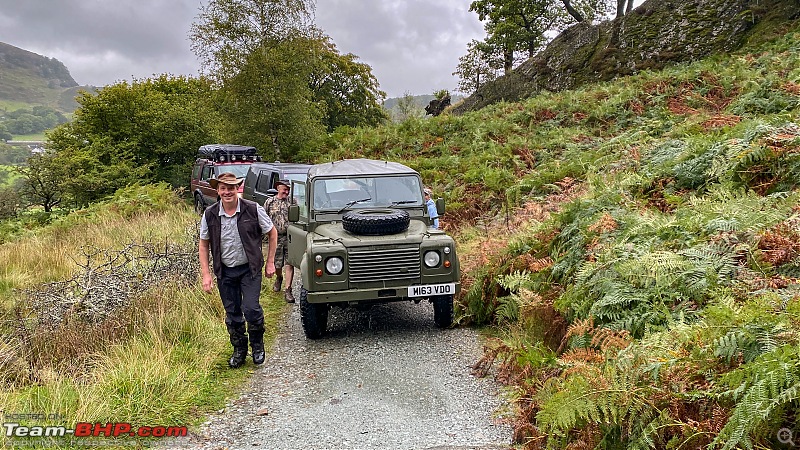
{"x":240,"y":291}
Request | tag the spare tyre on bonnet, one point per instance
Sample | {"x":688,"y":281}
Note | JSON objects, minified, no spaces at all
{"x":360,"y":234}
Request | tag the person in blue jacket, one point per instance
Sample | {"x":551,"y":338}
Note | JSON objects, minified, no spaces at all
{"x":431,"y":208}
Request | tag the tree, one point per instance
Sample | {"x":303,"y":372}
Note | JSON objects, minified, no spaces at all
{"x":91,"y":170}
{"x":4,"y":134}
{"x":407,"y":108}
{"x":146,"y":131}
{"x":270,"y":105}
{"x":282,"y":83}
{"x":515,"y":25}
{"x":528,"y":25}
{"x":13,"y":155}
{"x":35,"y":120}
{"x":475,"y":68}
{"x":42,"y":180}
{"x":572,"y":11}
{"x":624,"y":7}
{"x":10,"y":202}
{"x":346,"y":87}
{"x":228,"y":32}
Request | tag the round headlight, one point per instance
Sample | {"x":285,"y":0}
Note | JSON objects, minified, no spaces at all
{"x":334,"y":265}
{"x":431,"y":258}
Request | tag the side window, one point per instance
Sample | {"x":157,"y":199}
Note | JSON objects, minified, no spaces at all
{"x":206,"y":173}
{"x":263,"y":181}
{"x":299,"y":198}
{"x":196,"y":171}
{"x":273,"y":178}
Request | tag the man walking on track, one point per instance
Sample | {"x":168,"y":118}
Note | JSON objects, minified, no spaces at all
{"x":232,"y":230}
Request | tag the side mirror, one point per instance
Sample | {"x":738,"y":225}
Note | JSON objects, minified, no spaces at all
{"x":294,"y":213}
{"x":440,"y":206}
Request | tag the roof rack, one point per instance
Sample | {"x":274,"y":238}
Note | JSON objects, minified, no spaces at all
{"x":228,"y":152}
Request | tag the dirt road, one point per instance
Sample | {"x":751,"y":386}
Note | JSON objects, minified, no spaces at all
{"x":386,"y":378}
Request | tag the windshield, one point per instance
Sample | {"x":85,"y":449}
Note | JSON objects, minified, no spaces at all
{"x":296,"y":176}
{"x":367,"y":192}
{"x":240,"y":170}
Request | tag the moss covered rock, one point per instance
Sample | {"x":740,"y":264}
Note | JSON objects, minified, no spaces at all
{"x":652,"y":36}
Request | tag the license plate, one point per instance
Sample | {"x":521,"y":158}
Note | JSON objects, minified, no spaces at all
{"x":427,"y":290}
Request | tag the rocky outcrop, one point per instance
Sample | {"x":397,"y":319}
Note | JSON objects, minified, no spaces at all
{"x":654,"y":35}
{"x":437,"y":105}
{"x":49,"y":69}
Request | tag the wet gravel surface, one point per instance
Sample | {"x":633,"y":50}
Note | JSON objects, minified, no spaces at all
{"x":385,"y":378}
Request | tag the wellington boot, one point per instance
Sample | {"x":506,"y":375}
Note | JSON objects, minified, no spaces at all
{"x":257,"y":342}
{"x":238,"y":337}
{"x":237,"y":357}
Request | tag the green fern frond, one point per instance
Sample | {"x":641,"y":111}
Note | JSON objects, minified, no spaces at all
{"x":574,"y":403}
{"x":514,"y":281}
{"x":760,"y":389}
{"x":507,"y":309}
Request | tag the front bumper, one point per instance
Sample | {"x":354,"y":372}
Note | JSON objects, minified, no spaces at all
{"x":361,"y":295}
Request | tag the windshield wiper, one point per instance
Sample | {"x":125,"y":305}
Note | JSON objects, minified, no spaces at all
{"x":403,"y":202}
{"x":351,"y":203}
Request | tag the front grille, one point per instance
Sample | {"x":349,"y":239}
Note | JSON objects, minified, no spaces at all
{"x":383,"y":264}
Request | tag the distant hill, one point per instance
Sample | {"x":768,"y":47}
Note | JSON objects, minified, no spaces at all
{"x":28,"y":79}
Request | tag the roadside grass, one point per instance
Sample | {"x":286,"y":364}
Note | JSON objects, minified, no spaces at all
{"x":170,"y":369}
{"x":49,"y":252}
{"x":160,"y":361}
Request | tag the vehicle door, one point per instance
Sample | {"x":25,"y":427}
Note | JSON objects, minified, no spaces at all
{"x":265,"y":182}
{"x":297,"y":231}
{"x":193,"y":182}
{"x":209,"y":193}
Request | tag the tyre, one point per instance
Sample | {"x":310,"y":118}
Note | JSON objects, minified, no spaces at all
{"x":199,"y":204}
{"x":376,"y":222}
{"x":442,"y":310}
{"x":313,"y":316}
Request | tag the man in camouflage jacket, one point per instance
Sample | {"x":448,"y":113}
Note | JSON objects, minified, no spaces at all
{"x":277,"y":208}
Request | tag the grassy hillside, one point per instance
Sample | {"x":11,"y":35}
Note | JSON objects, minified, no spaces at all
{"x":28,"y":79}
{"x":635,"y":246}
{"x":103,"y":320}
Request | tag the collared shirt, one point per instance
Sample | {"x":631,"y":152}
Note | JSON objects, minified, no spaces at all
{"x":432,"y":212}
{"x":232,"y":250}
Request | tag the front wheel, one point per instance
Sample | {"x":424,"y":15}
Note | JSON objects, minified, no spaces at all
{"x":442,"y":310}
{"x":199,"y":204}
{"x":313,"y":316}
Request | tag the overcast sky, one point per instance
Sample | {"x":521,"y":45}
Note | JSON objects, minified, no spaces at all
{"x":412,"y":45}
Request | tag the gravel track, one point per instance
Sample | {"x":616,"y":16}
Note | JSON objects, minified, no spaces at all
{"x":385,"y":378}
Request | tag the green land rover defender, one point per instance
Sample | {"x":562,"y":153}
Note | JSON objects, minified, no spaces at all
{"x":360,"y":234}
